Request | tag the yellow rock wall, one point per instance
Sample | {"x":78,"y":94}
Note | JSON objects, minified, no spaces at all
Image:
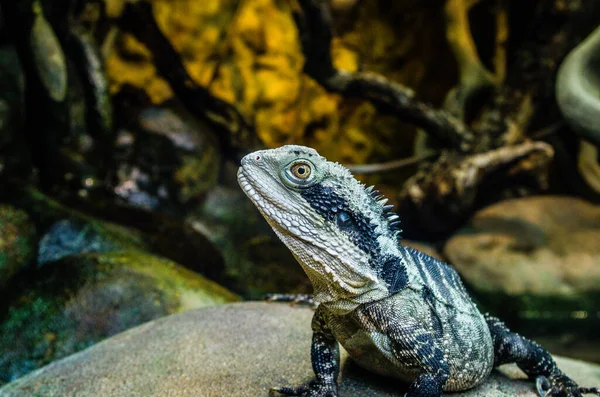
{"x":247,"y":52}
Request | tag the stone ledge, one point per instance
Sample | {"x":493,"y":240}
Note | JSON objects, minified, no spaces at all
{"x":238,"y":349}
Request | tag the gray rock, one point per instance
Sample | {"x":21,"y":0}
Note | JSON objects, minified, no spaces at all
{"x":534,"y":245}
{"x":233,"y":350}
{"x":121,"y":228}
{"x":71,"y":237}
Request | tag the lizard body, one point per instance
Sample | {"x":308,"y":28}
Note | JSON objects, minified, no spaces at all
{"x":397,"y":312}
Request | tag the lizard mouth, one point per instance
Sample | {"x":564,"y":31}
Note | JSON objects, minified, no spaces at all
{"x":252,"y":188}
{"x":261,"y":192}
{"x":246,"y":185}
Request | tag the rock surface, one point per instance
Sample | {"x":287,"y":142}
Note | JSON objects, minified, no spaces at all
{"x":535,"y":245}
{"x":17,"y":242}
{"x":232,"y":350}
{"x":67,"y":306}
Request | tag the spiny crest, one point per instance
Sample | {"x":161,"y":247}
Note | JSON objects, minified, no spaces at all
{"x":354,"y":186}
{"x":338,"y":170}
{"x":386,"y":210}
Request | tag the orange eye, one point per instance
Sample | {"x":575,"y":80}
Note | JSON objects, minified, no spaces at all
{"x":301,"y":170}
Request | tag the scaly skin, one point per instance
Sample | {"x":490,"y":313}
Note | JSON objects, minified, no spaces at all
{"x":397,"y":312}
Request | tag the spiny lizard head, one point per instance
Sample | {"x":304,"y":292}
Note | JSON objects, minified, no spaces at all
{"x":336,"y":228}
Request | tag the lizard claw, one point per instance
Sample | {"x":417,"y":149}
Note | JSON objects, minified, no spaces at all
{"x":544,"y":388}
{"x":562,"y":385}
{"x":315,"y":389}
{"x":289,"y":391}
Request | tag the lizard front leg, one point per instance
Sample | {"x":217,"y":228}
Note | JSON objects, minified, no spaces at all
{"x":413,"y":346}
{"x":534,"y":360}
{"x":419,"y":348}
{"x":325,"y":357}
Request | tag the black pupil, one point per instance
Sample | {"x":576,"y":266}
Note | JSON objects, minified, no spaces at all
{"x":301,"y":170}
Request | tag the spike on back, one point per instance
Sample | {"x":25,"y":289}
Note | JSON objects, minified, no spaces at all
{"x":392,"y":218}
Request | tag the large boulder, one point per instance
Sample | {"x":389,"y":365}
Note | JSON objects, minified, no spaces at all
{"x":535,"y":245}
{"x":67,"y":306}
{"x":536,"y":262}
{"x":241,"y":349}
{"x":17,"y":242}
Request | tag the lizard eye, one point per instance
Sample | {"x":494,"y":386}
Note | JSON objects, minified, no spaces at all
{"x":301,"y":170}
{"x":299,"y":174}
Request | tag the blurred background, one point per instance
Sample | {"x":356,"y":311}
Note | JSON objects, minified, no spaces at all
{"x":122,"y":123}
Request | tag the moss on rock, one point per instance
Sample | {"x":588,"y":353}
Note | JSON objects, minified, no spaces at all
{"x":80,"y":300}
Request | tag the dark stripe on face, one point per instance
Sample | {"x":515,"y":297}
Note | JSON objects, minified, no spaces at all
{"x":359,"y":229}
{"x":334,"y":208}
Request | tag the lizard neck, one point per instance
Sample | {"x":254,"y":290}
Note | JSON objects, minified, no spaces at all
{"x":340,"y":305}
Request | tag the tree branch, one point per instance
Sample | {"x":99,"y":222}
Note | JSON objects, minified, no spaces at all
{"x":393,"y":165}
{"x":314,"y":26}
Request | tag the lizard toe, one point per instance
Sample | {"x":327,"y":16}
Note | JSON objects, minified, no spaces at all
{"x":544,"y":388}
{"x":315,"y":389}
{"x":288,"y":391}
{"x":562,"y":386}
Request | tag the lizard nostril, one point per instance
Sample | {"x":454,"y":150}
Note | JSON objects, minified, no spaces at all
{"x":251,"y":158}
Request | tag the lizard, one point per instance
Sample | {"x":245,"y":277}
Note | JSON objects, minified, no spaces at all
{"x":396,"y":311}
